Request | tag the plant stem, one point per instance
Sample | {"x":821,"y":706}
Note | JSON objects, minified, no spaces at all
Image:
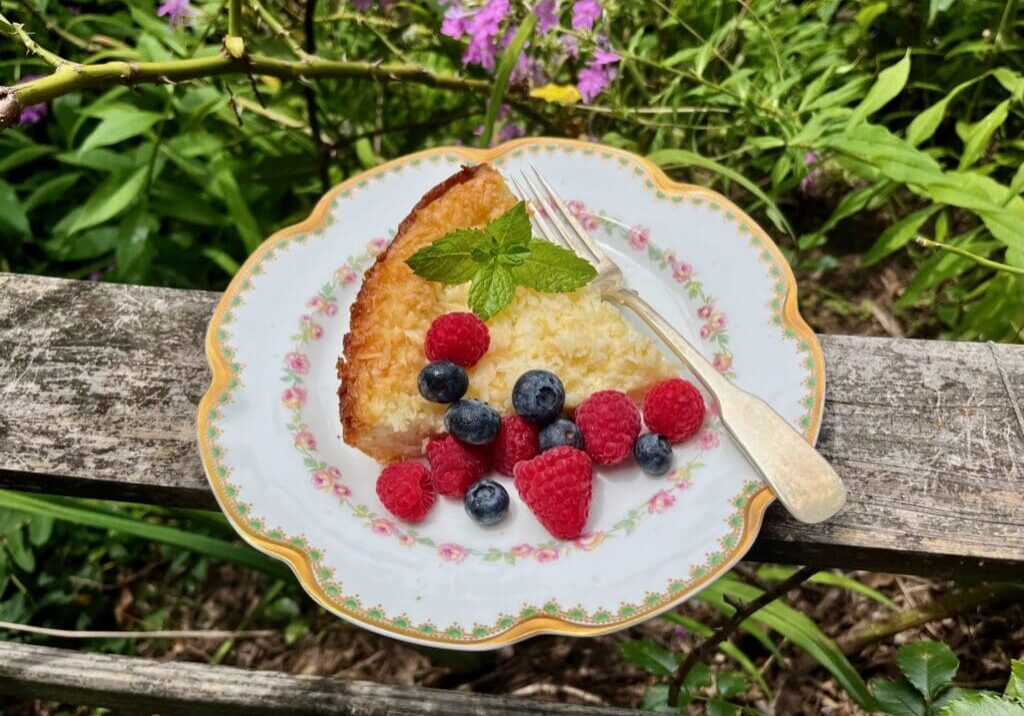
{"x":980,"y":260}
{"x":235,"y":18}
{"x":68,"y":79}
{"x":322,"y":152}
{"x":161,"y":634}
{"x":17,"y":31}
{"x":940,"y":608}
{"x":742,"y":613}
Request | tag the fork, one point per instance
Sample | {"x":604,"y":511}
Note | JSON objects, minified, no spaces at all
{"x":798,"y":475}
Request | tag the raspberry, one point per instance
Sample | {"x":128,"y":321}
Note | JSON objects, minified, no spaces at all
{"x":674,"y":408}
{"x":610,"y":423}
{"x":459,"y":337}
{"x":404,"y":488}
{"x":516,"y":441}
{"x":454,"y":465}
{"x":556,"y":486}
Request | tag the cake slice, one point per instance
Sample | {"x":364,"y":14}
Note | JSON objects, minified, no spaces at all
{"x":577,"y":336}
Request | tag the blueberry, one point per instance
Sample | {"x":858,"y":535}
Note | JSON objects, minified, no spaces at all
{"x":538,"y":396}
{"x":486,"y":502}
{"x":443,"y":381}
{"x":472,"y":421}
{"x":653,"y":453}
{"x":561,"y":432}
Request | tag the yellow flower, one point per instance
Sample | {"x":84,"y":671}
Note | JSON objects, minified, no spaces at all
{"x":562,"y":94}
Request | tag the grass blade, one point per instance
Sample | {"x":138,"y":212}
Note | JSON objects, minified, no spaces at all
{"x":800,"y":630}
{"x":501,"y":77}
{"x":89,"y":516}
{"x":667,"y":158}
{"x":776,"y":573}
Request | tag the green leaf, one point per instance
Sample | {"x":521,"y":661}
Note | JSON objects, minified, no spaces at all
{"x":937,"y":6}
{"x":226,"y":188}
{"x":655,"y":698}
{"x":682,"y":157}
{"x":19,"y":551}
{"x":501,"y":76}
{"x":25,"y":155}
{"x":1012,"y":82}
{"x":726,"y":647}
{"x":898,"y":235}
{"x":890,"y":83}
{"x":978,"y":135}
{"x":90,"y":516}
{"x":40,"y":527}
{"x":51,"y":190}
{"x":1015,"y":686}
{"x":552,"y":269}
{"x":869,"y":13}
{"x":982,"y":704}
{"x":118,"y":124}
{"x":109,"y":199}
{"x":512,"y":227}
{"x":731,"y":683}
{"x":449,"y":259}
{"x":492,"y":289}
{"x":221,"y":259}
{"x":652,"y":658}
{"x":925,"y":124}
{"x":928,"y":665}
{"x":776,"y":573}
{"x":89,"y":244}
{"x":898,"y":698}
{"x":13,"y":219}
{"x":800,"y":630}
{"x":718,"y":707}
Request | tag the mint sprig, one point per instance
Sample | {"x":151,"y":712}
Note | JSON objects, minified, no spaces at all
{"x":497,"y":258}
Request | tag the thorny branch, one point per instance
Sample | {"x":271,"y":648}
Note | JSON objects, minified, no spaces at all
{"x":68,"y":77}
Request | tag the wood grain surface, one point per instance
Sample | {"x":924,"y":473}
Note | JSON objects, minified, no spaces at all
{"x":135,"y":685}
{"x":100,"y":383}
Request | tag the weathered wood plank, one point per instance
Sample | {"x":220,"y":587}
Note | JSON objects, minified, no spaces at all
{"x":100,"y":384}
{"x":149,"y":686}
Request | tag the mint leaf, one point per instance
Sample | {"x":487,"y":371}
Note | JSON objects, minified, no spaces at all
{"x":449,"y":259}
{"x":552,"y":269}
{"x":512,"y":227}
{"x":492,"y":289}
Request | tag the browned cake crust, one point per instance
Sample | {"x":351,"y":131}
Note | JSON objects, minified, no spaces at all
{"x":361,"y":346}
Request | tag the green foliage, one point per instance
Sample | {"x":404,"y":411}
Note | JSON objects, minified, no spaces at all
{"x":925,"y":688}
{"x":837,"y":121}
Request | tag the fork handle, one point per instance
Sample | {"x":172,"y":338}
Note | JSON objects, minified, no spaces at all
{"x":799,"y":476}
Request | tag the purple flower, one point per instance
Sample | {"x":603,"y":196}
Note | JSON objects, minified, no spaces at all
{"x":604,"y":57}
{"x":362,"y":5}
{"x":809,"y":184}
{"x":584,"y":13}
{"x":34,"y":112}
{"x":547,"y":15}
{"x":570,"y":46}
{"x":511,"y":131}
{"x":456,"y":21}
{"x":483,"y":29}
{"x":178,"y":12}
{"x":598,"y":73}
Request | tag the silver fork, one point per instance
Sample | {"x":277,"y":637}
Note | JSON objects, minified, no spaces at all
{"x":800,"y":477}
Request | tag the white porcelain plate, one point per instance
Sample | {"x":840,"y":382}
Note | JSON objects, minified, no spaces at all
{"x":269,"y":431}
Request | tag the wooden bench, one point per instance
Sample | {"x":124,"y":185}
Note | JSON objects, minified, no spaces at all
{"x":100,"y":384}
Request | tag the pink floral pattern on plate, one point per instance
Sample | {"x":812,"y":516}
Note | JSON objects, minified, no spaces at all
{"x":323,"y":476}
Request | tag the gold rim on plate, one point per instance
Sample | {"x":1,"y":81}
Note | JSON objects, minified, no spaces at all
{"x":299,"y":561}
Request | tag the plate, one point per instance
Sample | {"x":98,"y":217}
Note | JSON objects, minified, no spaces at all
{"x":269,"y":429}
